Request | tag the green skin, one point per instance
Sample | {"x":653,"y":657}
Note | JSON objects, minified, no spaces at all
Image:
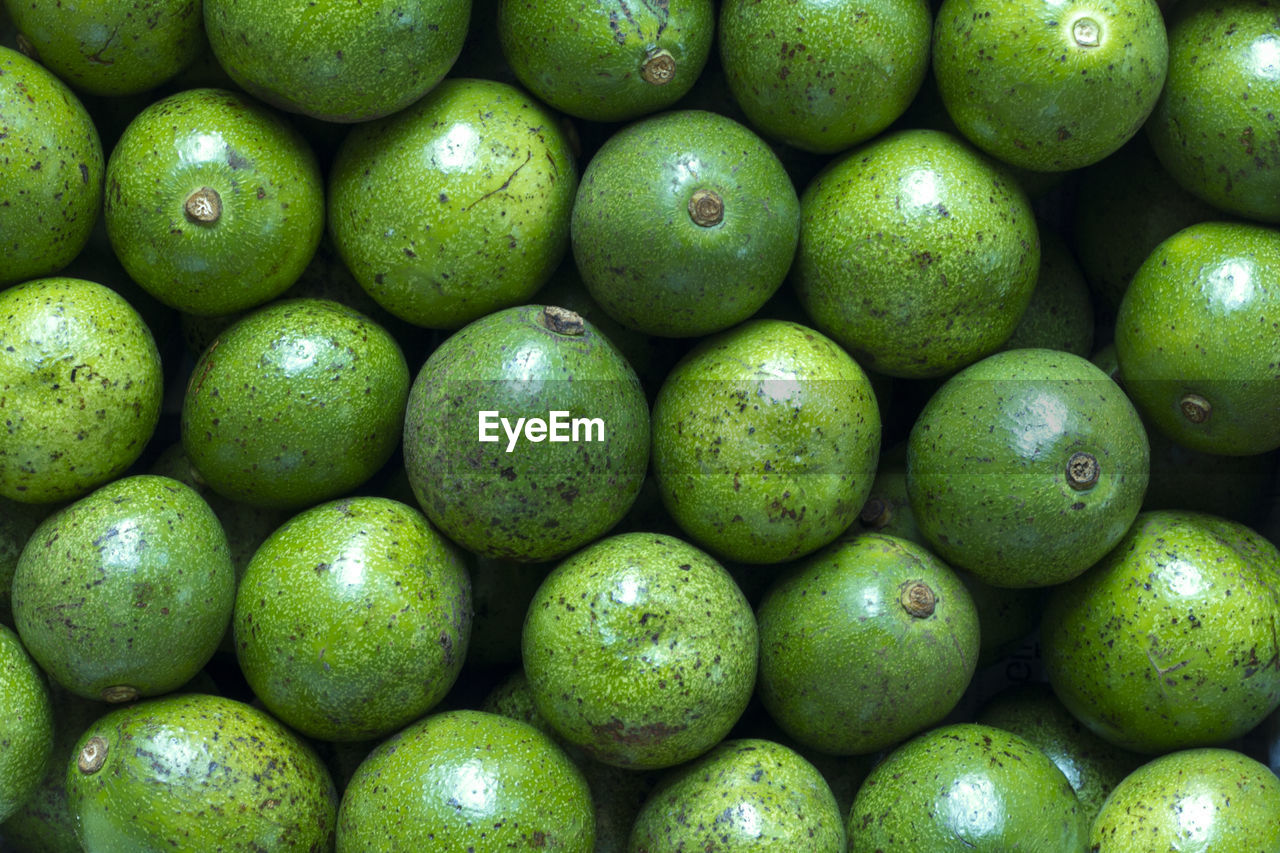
{"x":98,"y":602}
{"x":1170,"y":641}
{"x":352,"y":620}
{"x":1195,"y":800}
{"x":642,"y":650}
{"x":1060,"y":315}
{"x":26,"y":729}
{"x":478,"y":225}
{"x":824,"y":76}
{"x":467,"y":780}
{"x":269,"y":189}
{"x":297,"y":403}
{"x":765,"y":441}
{"x":1216,"y":127}
{"x":745,"y":795}
{"x":1199,"y":318}
{"x":988,"y":472}
{"x":106,"y":47}
{"x":1049,"y":86}
{"x":51,"y":166}
{"x":587,"y":58}
{"x":642,"y":254}
{"x":845,"y":667}
{"x":542,"y":499}
{"x":336,"y":60}
{"x":200,"y":772}
{"x":17,"y":522}
{"x":965,"y":788}
{"x":917,"y":254}
{"x":82,"y":375}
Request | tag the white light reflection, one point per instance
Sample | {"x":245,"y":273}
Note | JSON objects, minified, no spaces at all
{"x":473,"y":789}
{"x":920,"y":188}
{"x":1045,"y":420}
{"x":1196,"y":818}
{"x":119,"y":545}
{"x":1264,"y":57}
{"x":974,"y":808}
{"x":1185,"y":578}
{"x":298,"y":355}
{"x":630,"y":590}
{"x":1230,"y":285}
{"x":457,"y":150}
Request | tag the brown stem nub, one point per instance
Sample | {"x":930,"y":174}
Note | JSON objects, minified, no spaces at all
{"x":119,"y":693}
{"x":1083,"y":471}
{"x":706,"y":208}
{"x":876,"y":513}
{"x":204,"y":206}
{"x":918,"y":599}
{"x":26,"y":48}
{"x":659,"y":66}
{"x":1086,"y":32}
{"x":562,"y":321}
{"x":92,"y":756}
{"x":1195,"y":408}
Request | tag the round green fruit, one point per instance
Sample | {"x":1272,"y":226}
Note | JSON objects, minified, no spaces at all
{"x":17,"y":522}
{"x":1060,"y":314}
{"x":26,"y":728}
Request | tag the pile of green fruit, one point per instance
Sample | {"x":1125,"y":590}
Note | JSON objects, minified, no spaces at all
{"x":586,"y":425}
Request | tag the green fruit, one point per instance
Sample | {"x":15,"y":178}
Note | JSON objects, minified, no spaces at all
{"x":1060,"y":314}
{"x":352,"y":620}
{"x":198,"y":772}
{"x":917,"y":254}
{"x":966,"y":787}
{"x":335,"y":60}
{"x":684,"y":224}
{"x":297,"y":403}
{"x":26,"y":728}
{"x":823,"y":76}
{"x":81,"y":382}
{"x":467,"y":780}
{"x":455,"y":207}
{"x":17,"y":522}
{"x":1050,"y":86}
{"x":567,"y":464}
{"x":127,"y":591}
{"x":51,"y":167}
{"x":1196,"y":338}
{"x":214,"y":204}
{"x":641,"y":650}
{"x":1027,"y":467}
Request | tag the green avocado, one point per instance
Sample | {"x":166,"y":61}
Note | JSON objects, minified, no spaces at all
{"x":1060,"y":314}
{"x":17,"y":522}
{"x":26,"y":728}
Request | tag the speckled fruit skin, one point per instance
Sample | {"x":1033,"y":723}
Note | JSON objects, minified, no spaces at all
{"x":297,"y":403}
{"x":641,"y":253}
{"x":586,"y":57}
{"x":467,"y":780}
{"x":640,"y":649}
{"x":962,"y":788}
{"x":1216,"y":127}
{"x":540,"y":500}
{"x":51,"y":166}
{"x":81,"y":379}
{"x":335,"y":60}
{"x":1195,"y":800}
{"x":352,"y":620}
{"x":765,"y":442}
{"x":744,"y":795}
{"x":108,"y":47}
{"x":98,"y":597}
{"x":17,"y":522}
{"x":845,"y":667}
{"x":477,"y":224}
{"x":1060,"y":314}
{"x":200,"y":772}
{"x":824,"y":76}
{"x":26,"y":728}
{"x":1202,"y":317}
{"x":1170,"y":641}
{"x":916,"y":254}
{"x":268,"y":184}
{"x":988,"y":464}
{"x":1050,"y":86}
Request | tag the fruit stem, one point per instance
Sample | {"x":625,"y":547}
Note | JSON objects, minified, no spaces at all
{"x":204,"y":206}
{"x":659,"y":66}
{"x":1086,"y":32}
{"x":706,"y":208}
{"x":562,"y":321}
{"x":1195,"y":408}
{"x":919,"y":600}
{"x":1082,"y":471}
{"x":119,"y":693}
{"x":877,"y":513}
{"x":92,"y":756}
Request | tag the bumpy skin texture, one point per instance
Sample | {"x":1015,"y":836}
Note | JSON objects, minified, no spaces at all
{"x":823,"y":76}
{"x":108,"y":47}
{"x":455,"y":207}
{"x":964,"y":788}
{"x":98,"y":597}
{"x":51,"y":166}
{"x":542,"y":499}
{"x":917,"y":254}
{"x":336,"y":60}
{"x":199,"y":772}
{"x":642,"y":255}
{"x":586,"y":57}
{"x":845,"y":668}
{"x":269,"y":187}
{"x":1201,"y":317}
{"x":1195,"y":800}
{"x":1060,"y":314}
{"x":26,"y":728}
{"x":640,"y":649}
{"x":352,"y":620}
{"x":1216,"y":127}
{"x":81,"y":377}
{"x":295,"y":404}
{"x":744,"y":795}
{"x":1170,"y":641}
{"x":1050,"y":86}
{"x":17,"y":522}
{"x":467,"y":780}
{"x":765,"y":442}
